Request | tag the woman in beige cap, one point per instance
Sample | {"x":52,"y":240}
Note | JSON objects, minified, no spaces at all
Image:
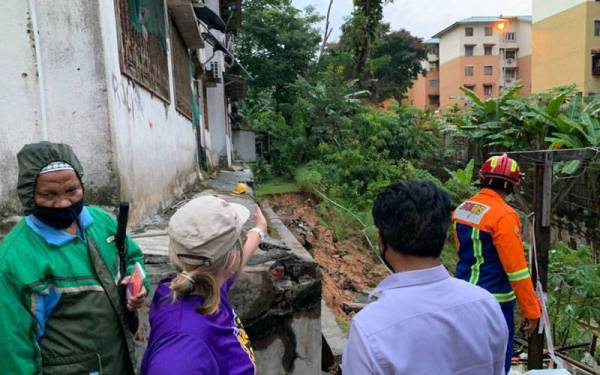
{"x":194,"y":329}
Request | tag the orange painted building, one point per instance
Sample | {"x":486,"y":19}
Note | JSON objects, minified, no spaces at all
{"x":484,"y":54}
{"x":425,"y":91}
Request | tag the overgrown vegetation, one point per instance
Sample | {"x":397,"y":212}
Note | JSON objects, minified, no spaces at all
{"x":336,"y":126}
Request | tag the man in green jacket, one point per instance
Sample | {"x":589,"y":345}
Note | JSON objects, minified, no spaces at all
{"x":60,"y":311}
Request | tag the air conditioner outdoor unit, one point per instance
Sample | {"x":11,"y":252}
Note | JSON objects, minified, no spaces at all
{"x":215,"y":70}
{"x":213,"y":74}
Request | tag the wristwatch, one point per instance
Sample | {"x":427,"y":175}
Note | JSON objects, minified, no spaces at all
{"x":259,"y":231}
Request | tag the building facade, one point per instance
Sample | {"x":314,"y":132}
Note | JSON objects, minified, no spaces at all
{"x":566,"y":45}
{"x":484,"y":54}
{"x":132,"y":85}
{"x":425,"y":92}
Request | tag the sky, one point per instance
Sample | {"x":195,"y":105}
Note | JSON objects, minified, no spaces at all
{"x":423,"y":18}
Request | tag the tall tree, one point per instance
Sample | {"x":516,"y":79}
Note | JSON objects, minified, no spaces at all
{"x":277,"y":43}
{"x":394,"y":63}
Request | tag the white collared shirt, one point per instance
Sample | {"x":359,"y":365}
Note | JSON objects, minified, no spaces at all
{"x":427,"y":323}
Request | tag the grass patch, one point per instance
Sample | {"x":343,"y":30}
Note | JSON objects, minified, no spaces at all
{"x":276,"y":186}
{"x":343,"y":325}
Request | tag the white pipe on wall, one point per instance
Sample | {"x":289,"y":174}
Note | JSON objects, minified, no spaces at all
{"x":40,"y":71}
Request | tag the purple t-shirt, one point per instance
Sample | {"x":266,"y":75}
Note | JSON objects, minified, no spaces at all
{"x":184,"y":342}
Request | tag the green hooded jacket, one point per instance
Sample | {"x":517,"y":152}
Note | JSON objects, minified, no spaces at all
{"x":57,"y":318}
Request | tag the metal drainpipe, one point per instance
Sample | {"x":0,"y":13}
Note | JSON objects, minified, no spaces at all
{"x":40,"y":70}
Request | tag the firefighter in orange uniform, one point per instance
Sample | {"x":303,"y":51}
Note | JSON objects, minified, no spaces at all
{"x":490,"y":249}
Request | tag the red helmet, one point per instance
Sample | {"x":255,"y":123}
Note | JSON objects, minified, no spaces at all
{"x":501,"y":167}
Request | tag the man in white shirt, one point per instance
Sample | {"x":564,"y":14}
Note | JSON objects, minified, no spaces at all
{"x":423,"y":321}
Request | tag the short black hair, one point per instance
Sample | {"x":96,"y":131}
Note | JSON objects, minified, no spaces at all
{"x":498,"y":185}
{"x":413,"y":218}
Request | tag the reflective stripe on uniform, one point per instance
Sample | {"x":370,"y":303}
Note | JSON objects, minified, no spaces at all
{"x":518,"y":275}
{"x":505,"y":297}
{"x":478,"y":254}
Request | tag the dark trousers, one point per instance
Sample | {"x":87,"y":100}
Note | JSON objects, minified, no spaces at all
{"x":508,"y":309}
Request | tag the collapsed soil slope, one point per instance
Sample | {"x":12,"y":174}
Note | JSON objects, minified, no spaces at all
{"x":348,"y":266}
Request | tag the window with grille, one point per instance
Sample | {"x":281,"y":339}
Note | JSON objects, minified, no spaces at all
{"x":488,"y":31}
{"x":468,"y":71}
{"x":487,"y":70}
{"x":468,"y":31}
{"x":143,"y":44}
{"x":487,"y":50}
{"x":469,"y":50}
{"x":182,"y":73}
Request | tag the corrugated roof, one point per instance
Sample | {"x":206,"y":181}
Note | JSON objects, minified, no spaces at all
{"x":480,"y":19}
{"x":433,"y":41}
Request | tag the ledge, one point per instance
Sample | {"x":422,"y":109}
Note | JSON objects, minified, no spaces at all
{"x":185,"y":21}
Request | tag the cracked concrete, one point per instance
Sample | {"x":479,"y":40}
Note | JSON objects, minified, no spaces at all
{"x":277,"y":296}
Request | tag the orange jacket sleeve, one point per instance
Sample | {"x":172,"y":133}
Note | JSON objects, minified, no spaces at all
{"x":508,"y":243}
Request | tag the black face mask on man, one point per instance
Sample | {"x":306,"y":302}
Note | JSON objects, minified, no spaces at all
{"x":382,"y":250}
{"x":59,"y":218}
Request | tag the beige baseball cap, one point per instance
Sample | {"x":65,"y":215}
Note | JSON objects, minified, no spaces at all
{"x":205,"y":228}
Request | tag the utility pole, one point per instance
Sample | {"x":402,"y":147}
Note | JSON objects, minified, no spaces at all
{"x":542,"y":199}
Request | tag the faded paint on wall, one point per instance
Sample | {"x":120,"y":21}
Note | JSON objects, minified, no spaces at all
{"x":75,"y":94}
{"x":19,"y":105}
{"x":154,"y":146}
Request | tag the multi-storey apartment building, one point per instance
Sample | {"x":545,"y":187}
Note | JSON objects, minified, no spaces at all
{"x":484,"y":54}
{"x":566,"y":44}
{"x":425,"y":92}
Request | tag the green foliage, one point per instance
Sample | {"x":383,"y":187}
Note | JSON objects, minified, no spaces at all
{"x":276,"y":186}
{"x":574,"y":293}
{"x":276,"y":43}
{"x":385,"y":62}
{"x":308,"y":179}
{"x":460,"y":184}
{"x":394,"y":64}
{"x":559,"y":118}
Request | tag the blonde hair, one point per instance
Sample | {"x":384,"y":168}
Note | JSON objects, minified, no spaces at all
{"x":202,"y":280}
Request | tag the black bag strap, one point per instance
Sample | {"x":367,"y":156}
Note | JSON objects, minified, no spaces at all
{"x":112,"y":291}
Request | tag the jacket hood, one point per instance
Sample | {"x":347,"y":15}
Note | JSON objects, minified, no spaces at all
{"x":31,"y":159}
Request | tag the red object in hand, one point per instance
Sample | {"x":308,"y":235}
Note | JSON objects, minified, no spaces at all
{"x":136,"y":282}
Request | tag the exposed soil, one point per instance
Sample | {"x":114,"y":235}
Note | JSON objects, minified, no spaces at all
{"x":348,"y":267}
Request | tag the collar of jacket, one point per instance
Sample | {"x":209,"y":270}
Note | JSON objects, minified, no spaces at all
{"x":55,"y":236}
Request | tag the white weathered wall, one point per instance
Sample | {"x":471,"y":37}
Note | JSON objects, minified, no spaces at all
{"x":154,"y":146}
{"x":220,"y":131}
{"x":74,"y":88}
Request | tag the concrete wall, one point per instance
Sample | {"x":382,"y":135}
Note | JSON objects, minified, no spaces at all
{"x":220,"y":129}
{"x":155,"y":146}
{"x":558,"y":48}
{"x":417,"y":94}
{"x":543,"y":8}
{"x":72,"y":85}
